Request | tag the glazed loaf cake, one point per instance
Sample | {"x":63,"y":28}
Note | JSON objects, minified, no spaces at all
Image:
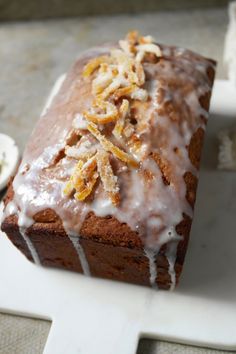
{"x":108,"y":180}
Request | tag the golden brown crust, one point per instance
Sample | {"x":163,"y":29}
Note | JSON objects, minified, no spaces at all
{"x":195,"y":147}
{"x":191,"y":187}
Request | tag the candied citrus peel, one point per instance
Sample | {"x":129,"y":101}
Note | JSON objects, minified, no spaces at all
{"x":124,"y":91}
{"x":87,"y":189}
{"x":120,"y":123}
{"x":118,"y":79}
{"x":108,"y":179}
{"x":93,"y":64}
{"x":109,"y":112}
{"x":85,"y":176}
{"x":109,"y":146}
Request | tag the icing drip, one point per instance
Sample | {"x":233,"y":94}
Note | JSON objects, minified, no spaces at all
{"x":171,"y":254}
{"x":53,"y":93}
{"x":152,"y":255}
{"x":10,"y":209}
{"x":30,"y":245}
{"x":149,"y":206}
{"x":23,"y":222}
{"x":80,"y":252}
{"x":75,"y":240}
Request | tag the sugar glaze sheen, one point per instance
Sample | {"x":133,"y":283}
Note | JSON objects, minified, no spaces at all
{"x":153,"y":207}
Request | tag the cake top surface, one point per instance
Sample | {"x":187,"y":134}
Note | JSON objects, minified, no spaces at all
{"x":115,"y":140}
{"x":107,"y":126}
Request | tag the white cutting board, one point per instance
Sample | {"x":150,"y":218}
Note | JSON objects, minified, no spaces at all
{"x":92,"y":316}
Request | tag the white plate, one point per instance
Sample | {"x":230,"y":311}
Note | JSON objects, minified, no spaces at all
{"x":92,"y":316}
{"x":10,"y":151}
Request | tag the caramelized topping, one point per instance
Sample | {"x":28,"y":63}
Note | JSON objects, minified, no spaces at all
{"x":118,"y":80}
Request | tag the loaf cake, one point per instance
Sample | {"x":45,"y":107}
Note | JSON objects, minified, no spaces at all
{"x":107,"y":183}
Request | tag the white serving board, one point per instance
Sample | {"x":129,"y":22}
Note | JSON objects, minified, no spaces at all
{"x":92,"y":316}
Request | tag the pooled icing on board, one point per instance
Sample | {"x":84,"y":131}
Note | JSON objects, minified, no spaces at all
{"x":149,"y":206}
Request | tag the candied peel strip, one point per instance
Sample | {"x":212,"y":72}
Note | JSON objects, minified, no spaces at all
{"x":84,"y":155}
{"x":135,"y":145}
{"x":126,"y":47}
{"x":87,"y":155}
{"x":123,"y":113}
{"x":135,"y":72}
{"x":128,"y":130}
{"x":109,"y":90}
{"x":145,"y":39}
{"x":110,"y":115}
{"x":108,"y":146}
{"x":82,"y":172}
{"x":88,"y":167}
{"x":107,"y":176}
{"x":94,"y":64}
{"x":85,"y":176}
{"x":132,"y":37}
{"x":150,"y":48}
{"x":101,"y":82}
{"x":70,"y":187}
{"x":140,"y":55}
{"x":128,"y":68}
{"x":124,"y":91}
{"x":83,"y":193}
{"x":139,"y":73}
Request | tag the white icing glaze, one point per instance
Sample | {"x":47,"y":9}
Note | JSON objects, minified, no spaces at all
{"x":80,"y":252}
{"x":53,"y":93}
{"x":10,"y":209}
{"x":151,"y":208}
{"x":23,"y":222}
{"x":152,"y":255}
{"x":30,"y":245}
{"x":171,"y":254}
